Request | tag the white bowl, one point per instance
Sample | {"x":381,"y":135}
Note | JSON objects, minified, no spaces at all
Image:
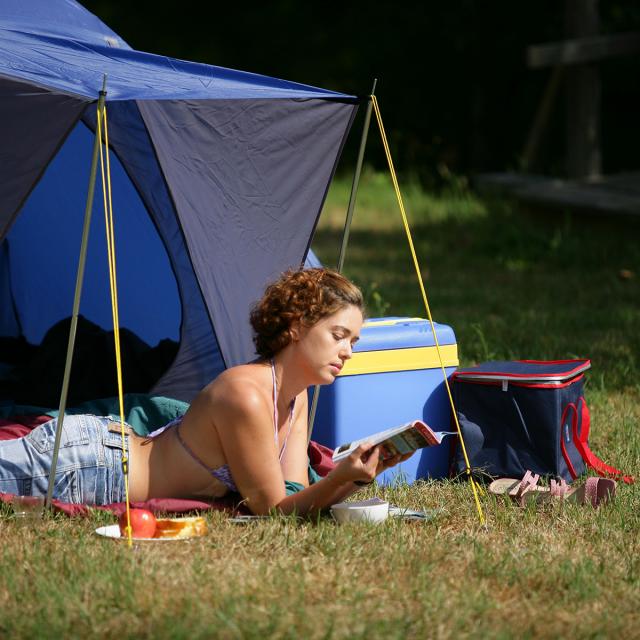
{"x":373,"y":510}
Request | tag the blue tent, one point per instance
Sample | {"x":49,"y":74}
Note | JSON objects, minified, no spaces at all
{"x":219,"y":177}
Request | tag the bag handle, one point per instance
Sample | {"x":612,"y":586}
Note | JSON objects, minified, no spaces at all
{"x":581,"y":440}
{"x":563,"y":447}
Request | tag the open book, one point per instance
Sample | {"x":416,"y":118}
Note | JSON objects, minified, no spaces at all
{"x":402,"y":439}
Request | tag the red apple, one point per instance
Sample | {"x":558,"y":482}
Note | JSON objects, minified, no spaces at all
{"x":143,"y":523}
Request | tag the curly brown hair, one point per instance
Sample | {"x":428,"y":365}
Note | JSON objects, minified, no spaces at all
{"x":303,"y":295}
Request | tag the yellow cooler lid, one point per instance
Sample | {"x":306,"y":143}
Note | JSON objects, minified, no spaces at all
{"x":401,"y":344}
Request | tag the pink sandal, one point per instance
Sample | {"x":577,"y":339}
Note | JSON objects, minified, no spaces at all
{"x":520,"y":491}
{"x":595,"y":491}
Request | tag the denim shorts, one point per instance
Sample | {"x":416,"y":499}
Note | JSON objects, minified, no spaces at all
{"x":89,"y":468}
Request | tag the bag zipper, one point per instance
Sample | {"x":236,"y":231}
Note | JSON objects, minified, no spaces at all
{"x":554,"y":379}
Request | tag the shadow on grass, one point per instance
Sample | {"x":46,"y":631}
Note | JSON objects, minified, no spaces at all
{"x":512,"y":283}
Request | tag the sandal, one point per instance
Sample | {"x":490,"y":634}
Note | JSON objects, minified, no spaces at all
{"x":520,"y":491}
{"x":594,"y":491}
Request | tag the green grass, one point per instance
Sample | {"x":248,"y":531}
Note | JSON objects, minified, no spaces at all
{"x":512,"y":283}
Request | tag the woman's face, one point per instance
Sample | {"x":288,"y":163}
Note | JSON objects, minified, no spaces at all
{"x":325,"y":347}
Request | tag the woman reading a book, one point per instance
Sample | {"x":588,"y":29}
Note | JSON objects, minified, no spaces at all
{"x":245,"y":432}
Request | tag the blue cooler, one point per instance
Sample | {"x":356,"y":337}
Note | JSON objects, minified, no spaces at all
{"x":393,"y":377}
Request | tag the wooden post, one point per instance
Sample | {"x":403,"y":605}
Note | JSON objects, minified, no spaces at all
{"x":576,"y":58}
{"x":541,"y":118}
{"x":583,"y":92}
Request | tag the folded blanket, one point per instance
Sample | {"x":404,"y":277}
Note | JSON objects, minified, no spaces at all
{"x":20,"y":425}
{"x":142,"y":411}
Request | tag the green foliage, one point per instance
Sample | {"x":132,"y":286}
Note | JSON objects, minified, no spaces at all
{"x":376,"y":305}
{"x":513,"y":283}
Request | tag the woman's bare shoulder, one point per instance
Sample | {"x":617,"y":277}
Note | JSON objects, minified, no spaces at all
{"x":245,"y":388}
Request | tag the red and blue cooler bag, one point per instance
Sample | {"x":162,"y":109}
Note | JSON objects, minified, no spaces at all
{"x":525,"y":415}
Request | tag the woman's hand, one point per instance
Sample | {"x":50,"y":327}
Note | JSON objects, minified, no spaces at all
{"x":364,"y":464}
{"x":383,"y":465}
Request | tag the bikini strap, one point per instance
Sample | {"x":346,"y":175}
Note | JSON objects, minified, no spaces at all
{"x":275,"y":412}
{"x":275,"y":402}
{"x":284,"y":445}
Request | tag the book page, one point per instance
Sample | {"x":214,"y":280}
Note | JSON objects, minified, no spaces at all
{"x":402,"y":439}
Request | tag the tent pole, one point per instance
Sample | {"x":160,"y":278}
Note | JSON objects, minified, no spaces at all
{"x":356,"y":179}
{"x":76,"y":300}
{"x":347,"y":227}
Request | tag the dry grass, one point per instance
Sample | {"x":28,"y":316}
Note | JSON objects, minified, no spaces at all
{"x":554,"y":571}
{"x":546,"y":572}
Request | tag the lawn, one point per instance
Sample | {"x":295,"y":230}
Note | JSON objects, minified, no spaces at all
{"x":513,"y":283}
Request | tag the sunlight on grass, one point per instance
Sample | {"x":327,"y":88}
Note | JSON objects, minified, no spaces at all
{"x":377,"y":206}
{"x":512,"y":284}
{"x":286,"y":578}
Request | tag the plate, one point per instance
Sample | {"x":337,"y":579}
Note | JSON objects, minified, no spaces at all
{"x":248,"y":519}
{"x":113,"y":531}
{"x":410,"y":514}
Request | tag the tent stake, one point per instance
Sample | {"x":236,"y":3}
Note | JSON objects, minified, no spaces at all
{"x":76,"y":300}
{"x":347,"y":227}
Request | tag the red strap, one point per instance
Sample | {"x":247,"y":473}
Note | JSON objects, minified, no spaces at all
{"x":563,"y":447}
{"x":591,"y":459}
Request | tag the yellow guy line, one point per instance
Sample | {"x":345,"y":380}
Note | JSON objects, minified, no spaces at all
{"x":111,"y":256}
{"x":476,"y":489}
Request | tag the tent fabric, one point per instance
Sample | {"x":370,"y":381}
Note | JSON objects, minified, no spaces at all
{"x":75,"y":54}
{"x":34,"y":121}
{"x":219,"y":177}
{"x":242,"y":186}
{"x":199,"y":358}
{"x":42,"y":258}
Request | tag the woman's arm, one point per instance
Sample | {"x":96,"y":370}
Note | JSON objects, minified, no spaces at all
{"x":295,"y":464}
{"x":244,"y":422}
{"x":363,"y":465}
